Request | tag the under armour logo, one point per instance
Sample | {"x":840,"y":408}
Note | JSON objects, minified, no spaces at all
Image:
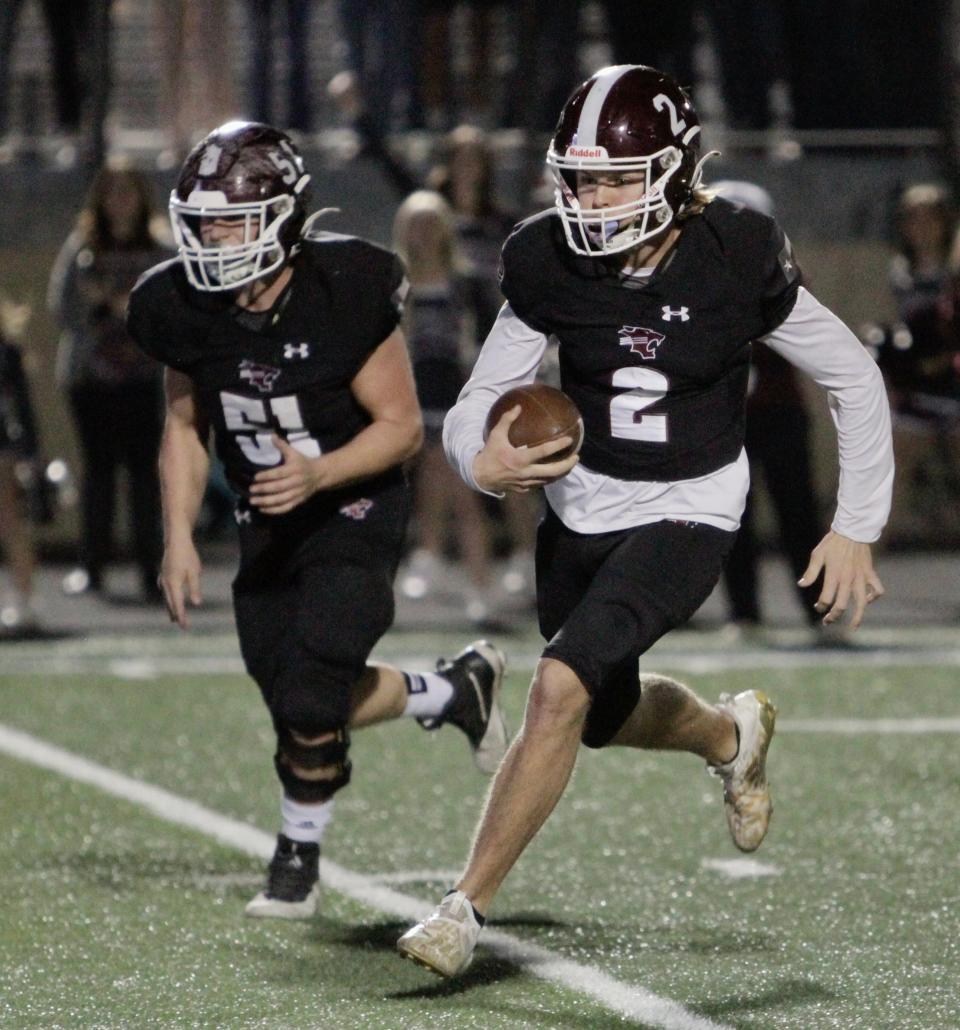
{"x":669,"y":314}
{"x":296,"y":350}
{"x":242,"y":515}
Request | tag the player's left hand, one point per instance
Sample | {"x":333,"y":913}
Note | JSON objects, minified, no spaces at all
{"x":848,"y":573}
{"x":280,"y":489}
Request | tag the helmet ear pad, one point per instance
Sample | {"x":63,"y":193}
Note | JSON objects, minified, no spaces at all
{"x":679,"y":191}
{"x":292,"y":228}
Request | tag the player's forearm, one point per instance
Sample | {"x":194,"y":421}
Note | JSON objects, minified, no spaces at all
{"x":865,"y":444}
{"x":510,"y":357}
{"x":381,"y":446}
{"x":184,"y":465}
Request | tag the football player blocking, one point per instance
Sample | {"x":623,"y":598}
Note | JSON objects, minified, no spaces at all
{"x":285,"y":342}
{"x":655,"y":291}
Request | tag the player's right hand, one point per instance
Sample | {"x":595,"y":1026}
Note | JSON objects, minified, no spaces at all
{"x":500,"y":466}
{"x":180,"y":580}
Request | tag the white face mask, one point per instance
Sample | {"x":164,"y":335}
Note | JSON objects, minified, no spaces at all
{"x":597,"y":232}
{"x":232,"y":261}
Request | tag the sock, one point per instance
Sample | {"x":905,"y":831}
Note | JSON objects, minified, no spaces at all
{"x":305,"y":824}
{"x":481,"y":919}
{"x":427,"y":694}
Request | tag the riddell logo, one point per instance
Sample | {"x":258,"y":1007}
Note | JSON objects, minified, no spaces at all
{"x":586,"y":151}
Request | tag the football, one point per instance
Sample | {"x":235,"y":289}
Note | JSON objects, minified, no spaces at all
{"x":546,"y":414}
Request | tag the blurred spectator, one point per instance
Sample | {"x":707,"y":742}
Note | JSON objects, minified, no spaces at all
{"x":79,"y":34}
{"x":919,"y":278}
{"x":778,"y":448}
{"x":466,"y":177}
{"x":920,"y":359}
{"x":469,"y":94}
{"x":297,"y":113}
{"x":113,"y":388}
{"x":18,"y":445}
{"x":195,"y":81}
{"x":546,"y":67}
{"x":751,"y":51}
{"x":383,"y":48}
{"x":657,"y":32}
{"x":434,"y":321}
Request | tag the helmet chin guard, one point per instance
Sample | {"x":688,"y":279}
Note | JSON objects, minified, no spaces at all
{"x":594,"y":232}
{"x":213,"y":267}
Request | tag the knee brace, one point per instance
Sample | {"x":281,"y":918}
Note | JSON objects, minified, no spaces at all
{"x":330,"y":755}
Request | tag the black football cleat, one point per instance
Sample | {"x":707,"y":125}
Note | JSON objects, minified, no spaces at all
{"x":293,"y":882}
{"x":476,"y":675}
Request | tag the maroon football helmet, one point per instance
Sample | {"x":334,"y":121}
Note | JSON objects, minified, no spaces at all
{"x":245,"y":172}
{"x":625,"y":120}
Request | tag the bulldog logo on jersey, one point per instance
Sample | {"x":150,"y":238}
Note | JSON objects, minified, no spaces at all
{"x":641,"y":341}
{"x":261,"y":376}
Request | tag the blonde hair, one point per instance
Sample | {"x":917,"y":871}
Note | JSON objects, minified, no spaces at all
{"x":935,"y":198}
{"x":699,"y":198}
{"x":435,"y":254}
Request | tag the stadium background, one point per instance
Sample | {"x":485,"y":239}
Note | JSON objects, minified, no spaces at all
{"x":834,"y":190}
{"x":113,"y":916}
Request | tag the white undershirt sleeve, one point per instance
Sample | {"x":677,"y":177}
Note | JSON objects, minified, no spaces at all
{"x":818,"y":343}
{"x":509,"y":357}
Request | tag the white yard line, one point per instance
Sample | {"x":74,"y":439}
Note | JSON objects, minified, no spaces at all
{"x":857,"y":726}
{"x":444,"y":877}
{"x":66,"y":662}
{"x":741,"y":868}
{"x":628,"y":1000}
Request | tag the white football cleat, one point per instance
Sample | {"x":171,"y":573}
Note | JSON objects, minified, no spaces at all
{"x":265,"y":906}
{"x":444,"y":942}
{"x":746,"y":792}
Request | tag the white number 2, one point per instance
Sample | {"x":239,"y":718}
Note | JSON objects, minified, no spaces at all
{"x":644,"y":387}
{"x":247,"y":417}
{"x":677,"y":124}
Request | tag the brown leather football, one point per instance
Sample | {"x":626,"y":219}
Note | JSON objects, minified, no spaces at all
{"x":546,"y":414}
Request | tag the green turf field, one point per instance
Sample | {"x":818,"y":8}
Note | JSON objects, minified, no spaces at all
{"x":847,"y":917}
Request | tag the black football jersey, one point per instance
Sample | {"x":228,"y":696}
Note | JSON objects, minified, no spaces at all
{"x":657,"y":366}
{"x":286,"y":371}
